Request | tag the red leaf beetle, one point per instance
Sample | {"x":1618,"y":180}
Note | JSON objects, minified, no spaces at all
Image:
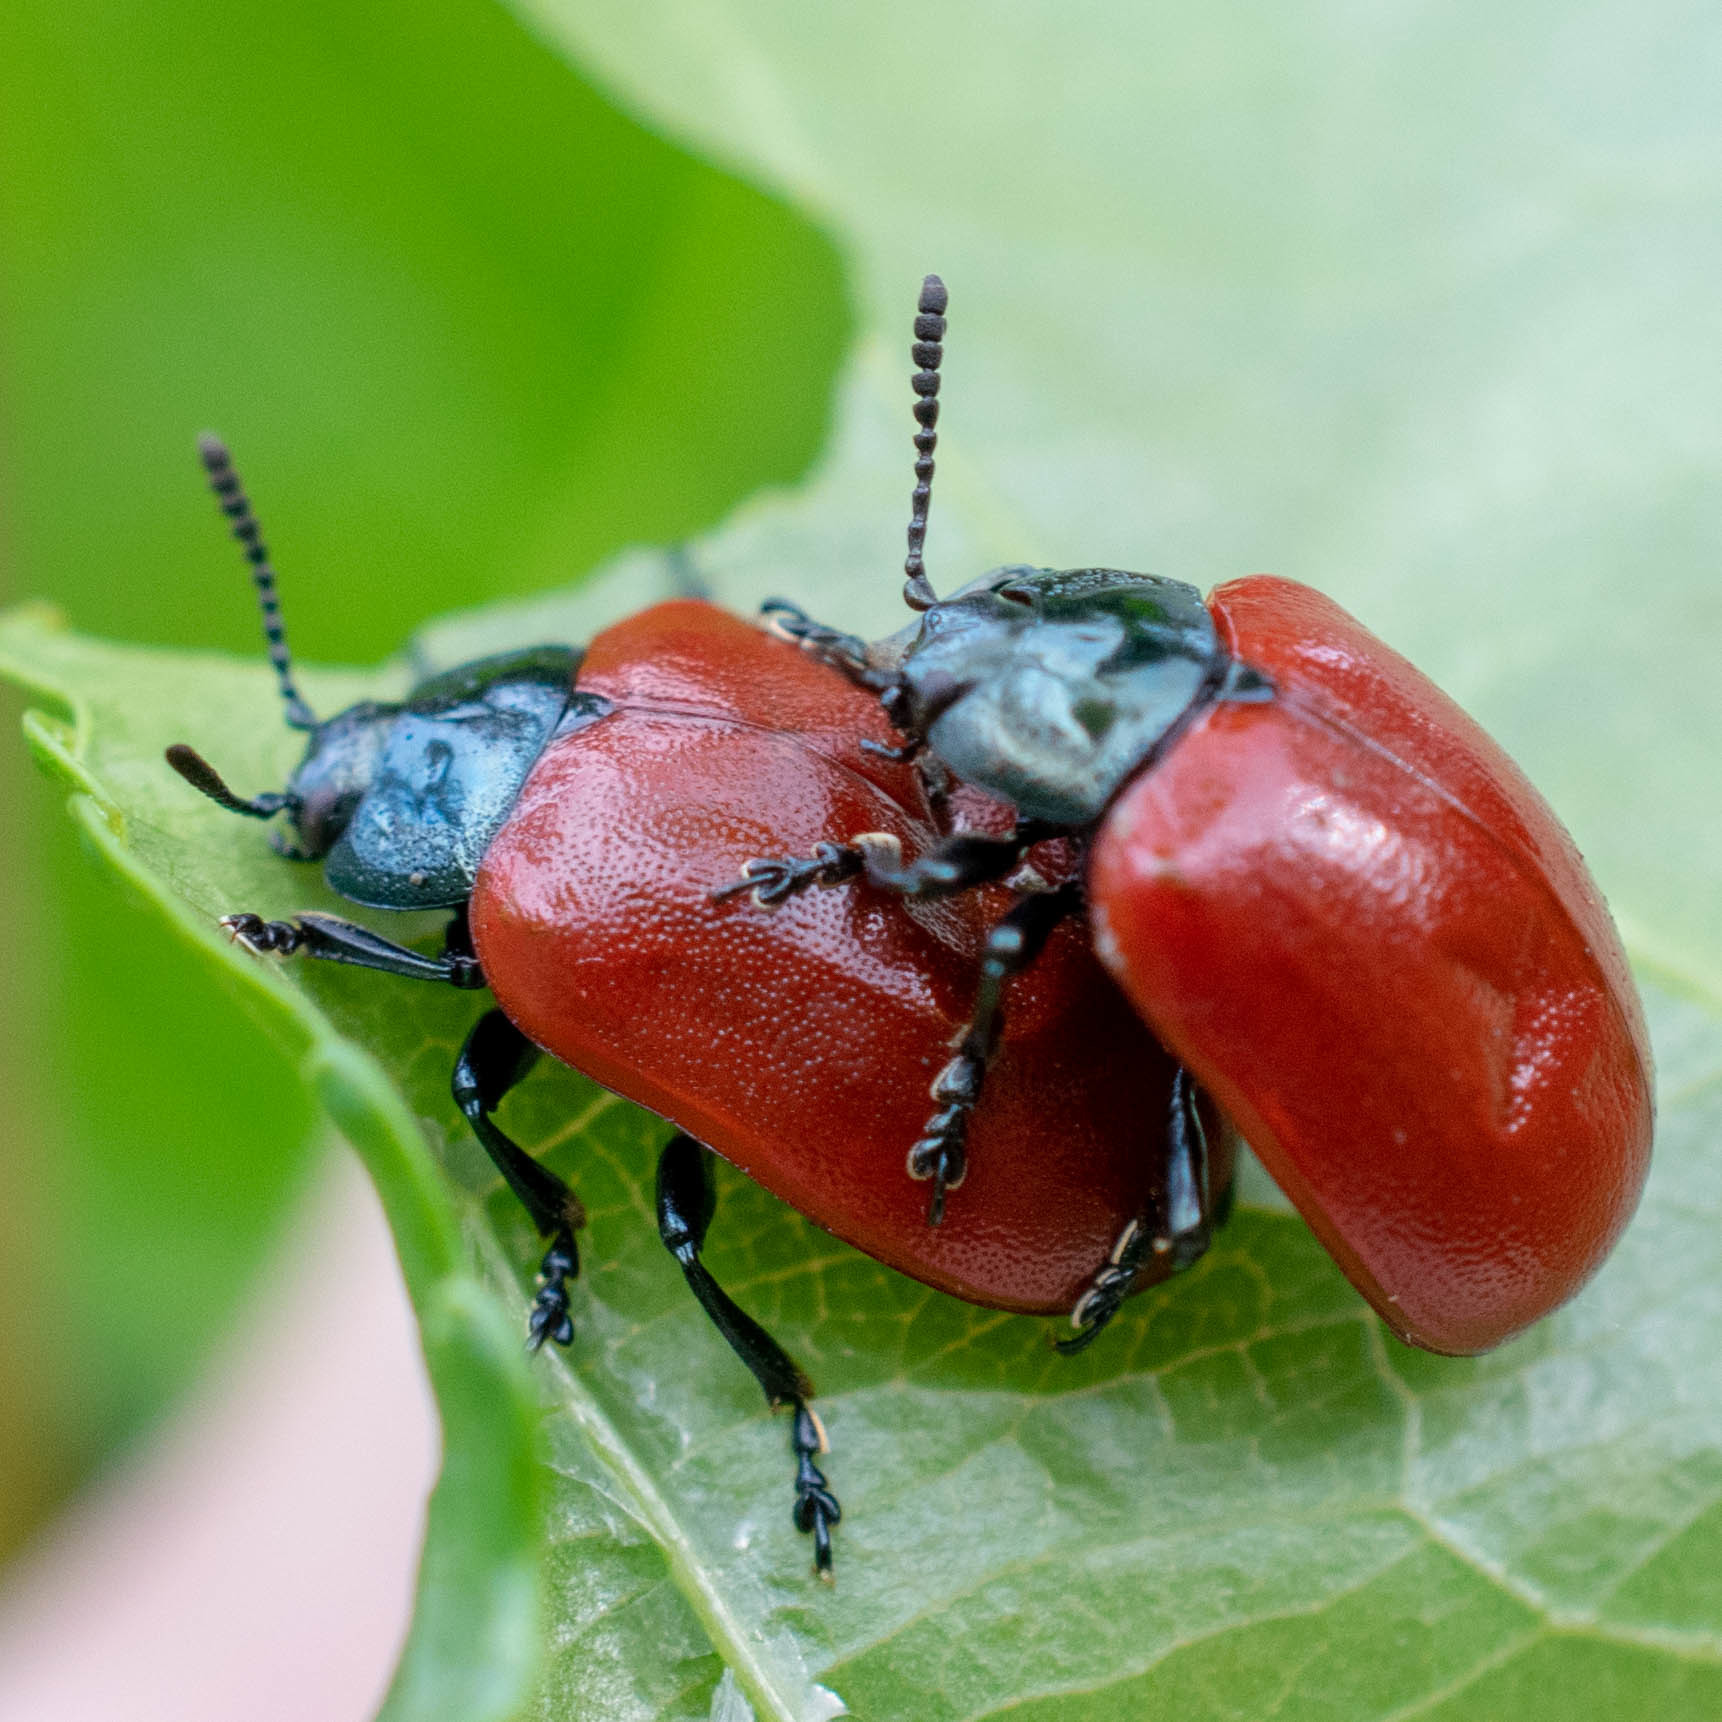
{"x":1333,"y":898}
{"x":573,"y":811}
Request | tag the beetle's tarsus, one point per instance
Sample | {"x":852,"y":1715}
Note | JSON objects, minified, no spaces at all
{"x":775,"y":879}
{"x":845,"y":653}
{"x":1015,"y":941}
{"x":816,"y":1510}
{"x":550,"y":1319}
{"x":1108,"y":1289}
{"x":1176,"y":1225}
{"x":261,"y":937}
{"x":941,"y":1154}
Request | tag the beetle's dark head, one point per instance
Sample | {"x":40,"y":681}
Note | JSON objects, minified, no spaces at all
{"x":400,"y":800}
{"x":1048,"y":687}
{"x":339,"y":766}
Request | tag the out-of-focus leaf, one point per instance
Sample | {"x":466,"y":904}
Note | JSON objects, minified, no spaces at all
{"x":468,"y":329}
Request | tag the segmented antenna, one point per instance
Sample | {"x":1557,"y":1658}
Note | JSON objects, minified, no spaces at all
{"x":928,"y":352}
{"x":230,"y":493}
{"x":201,"y":775}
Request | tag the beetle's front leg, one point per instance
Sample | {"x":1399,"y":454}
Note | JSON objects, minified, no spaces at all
{"x":1176,"y":1224}
{"x":336,"y":941}
{"x":845,"y":653}
{"x":773,"y":881}
{"x":958,"y":863}
{"x":1015,"y":941}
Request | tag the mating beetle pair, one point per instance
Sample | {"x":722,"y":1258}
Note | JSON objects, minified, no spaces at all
{"x":749,"y":886}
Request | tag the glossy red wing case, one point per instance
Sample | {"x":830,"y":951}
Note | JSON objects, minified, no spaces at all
{"x":1351,"y":915}
{"x":799,"y":1042}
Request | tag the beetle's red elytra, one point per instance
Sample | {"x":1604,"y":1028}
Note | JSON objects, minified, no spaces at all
{"x":1351,"y":916}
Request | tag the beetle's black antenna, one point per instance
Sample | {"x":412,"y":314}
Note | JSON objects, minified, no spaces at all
{"x":200,"y":774}
{"x":928,"y":352}
{"x":230,"y":493}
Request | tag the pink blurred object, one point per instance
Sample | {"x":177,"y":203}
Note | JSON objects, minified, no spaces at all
{"x":257,"y":1561}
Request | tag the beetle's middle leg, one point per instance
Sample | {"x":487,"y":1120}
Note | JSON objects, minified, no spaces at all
{"x":1017,"y":938}
{"x":1176,"y":1224}
{"x":495,"y":1058}
{"x":687,"y":1199}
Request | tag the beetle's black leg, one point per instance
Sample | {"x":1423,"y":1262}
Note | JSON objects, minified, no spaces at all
{"x":496,"y":1057}
{"x":936,"y":784}
{"x":1014,"y":943}
{"x":337,"y":941}
{"x":771,"y":882}
{"x":687,"y":1199}
{"x":845,"y":653}
{"x":1176,"y":1224}
{"x":957,"y":863}
{"x":457,"y":935}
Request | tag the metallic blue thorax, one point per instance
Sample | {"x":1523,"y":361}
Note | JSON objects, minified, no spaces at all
{"x":405,"y":799}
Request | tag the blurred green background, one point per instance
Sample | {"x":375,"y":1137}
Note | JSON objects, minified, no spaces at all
{"x":455,"y":313}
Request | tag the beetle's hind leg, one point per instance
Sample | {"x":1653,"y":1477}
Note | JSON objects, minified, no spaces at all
{"x":495,"y":1058}
{"x":1176,"y":1225}
{"x":687,"y":1199}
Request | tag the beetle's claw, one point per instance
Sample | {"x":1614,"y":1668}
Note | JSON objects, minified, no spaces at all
{"x":941,"y":1156}
{"x":1094,"y":1310}
{"x":1111,"y":1286}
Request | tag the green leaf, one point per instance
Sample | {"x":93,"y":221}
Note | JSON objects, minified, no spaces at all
{"x":1405,"y":307}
